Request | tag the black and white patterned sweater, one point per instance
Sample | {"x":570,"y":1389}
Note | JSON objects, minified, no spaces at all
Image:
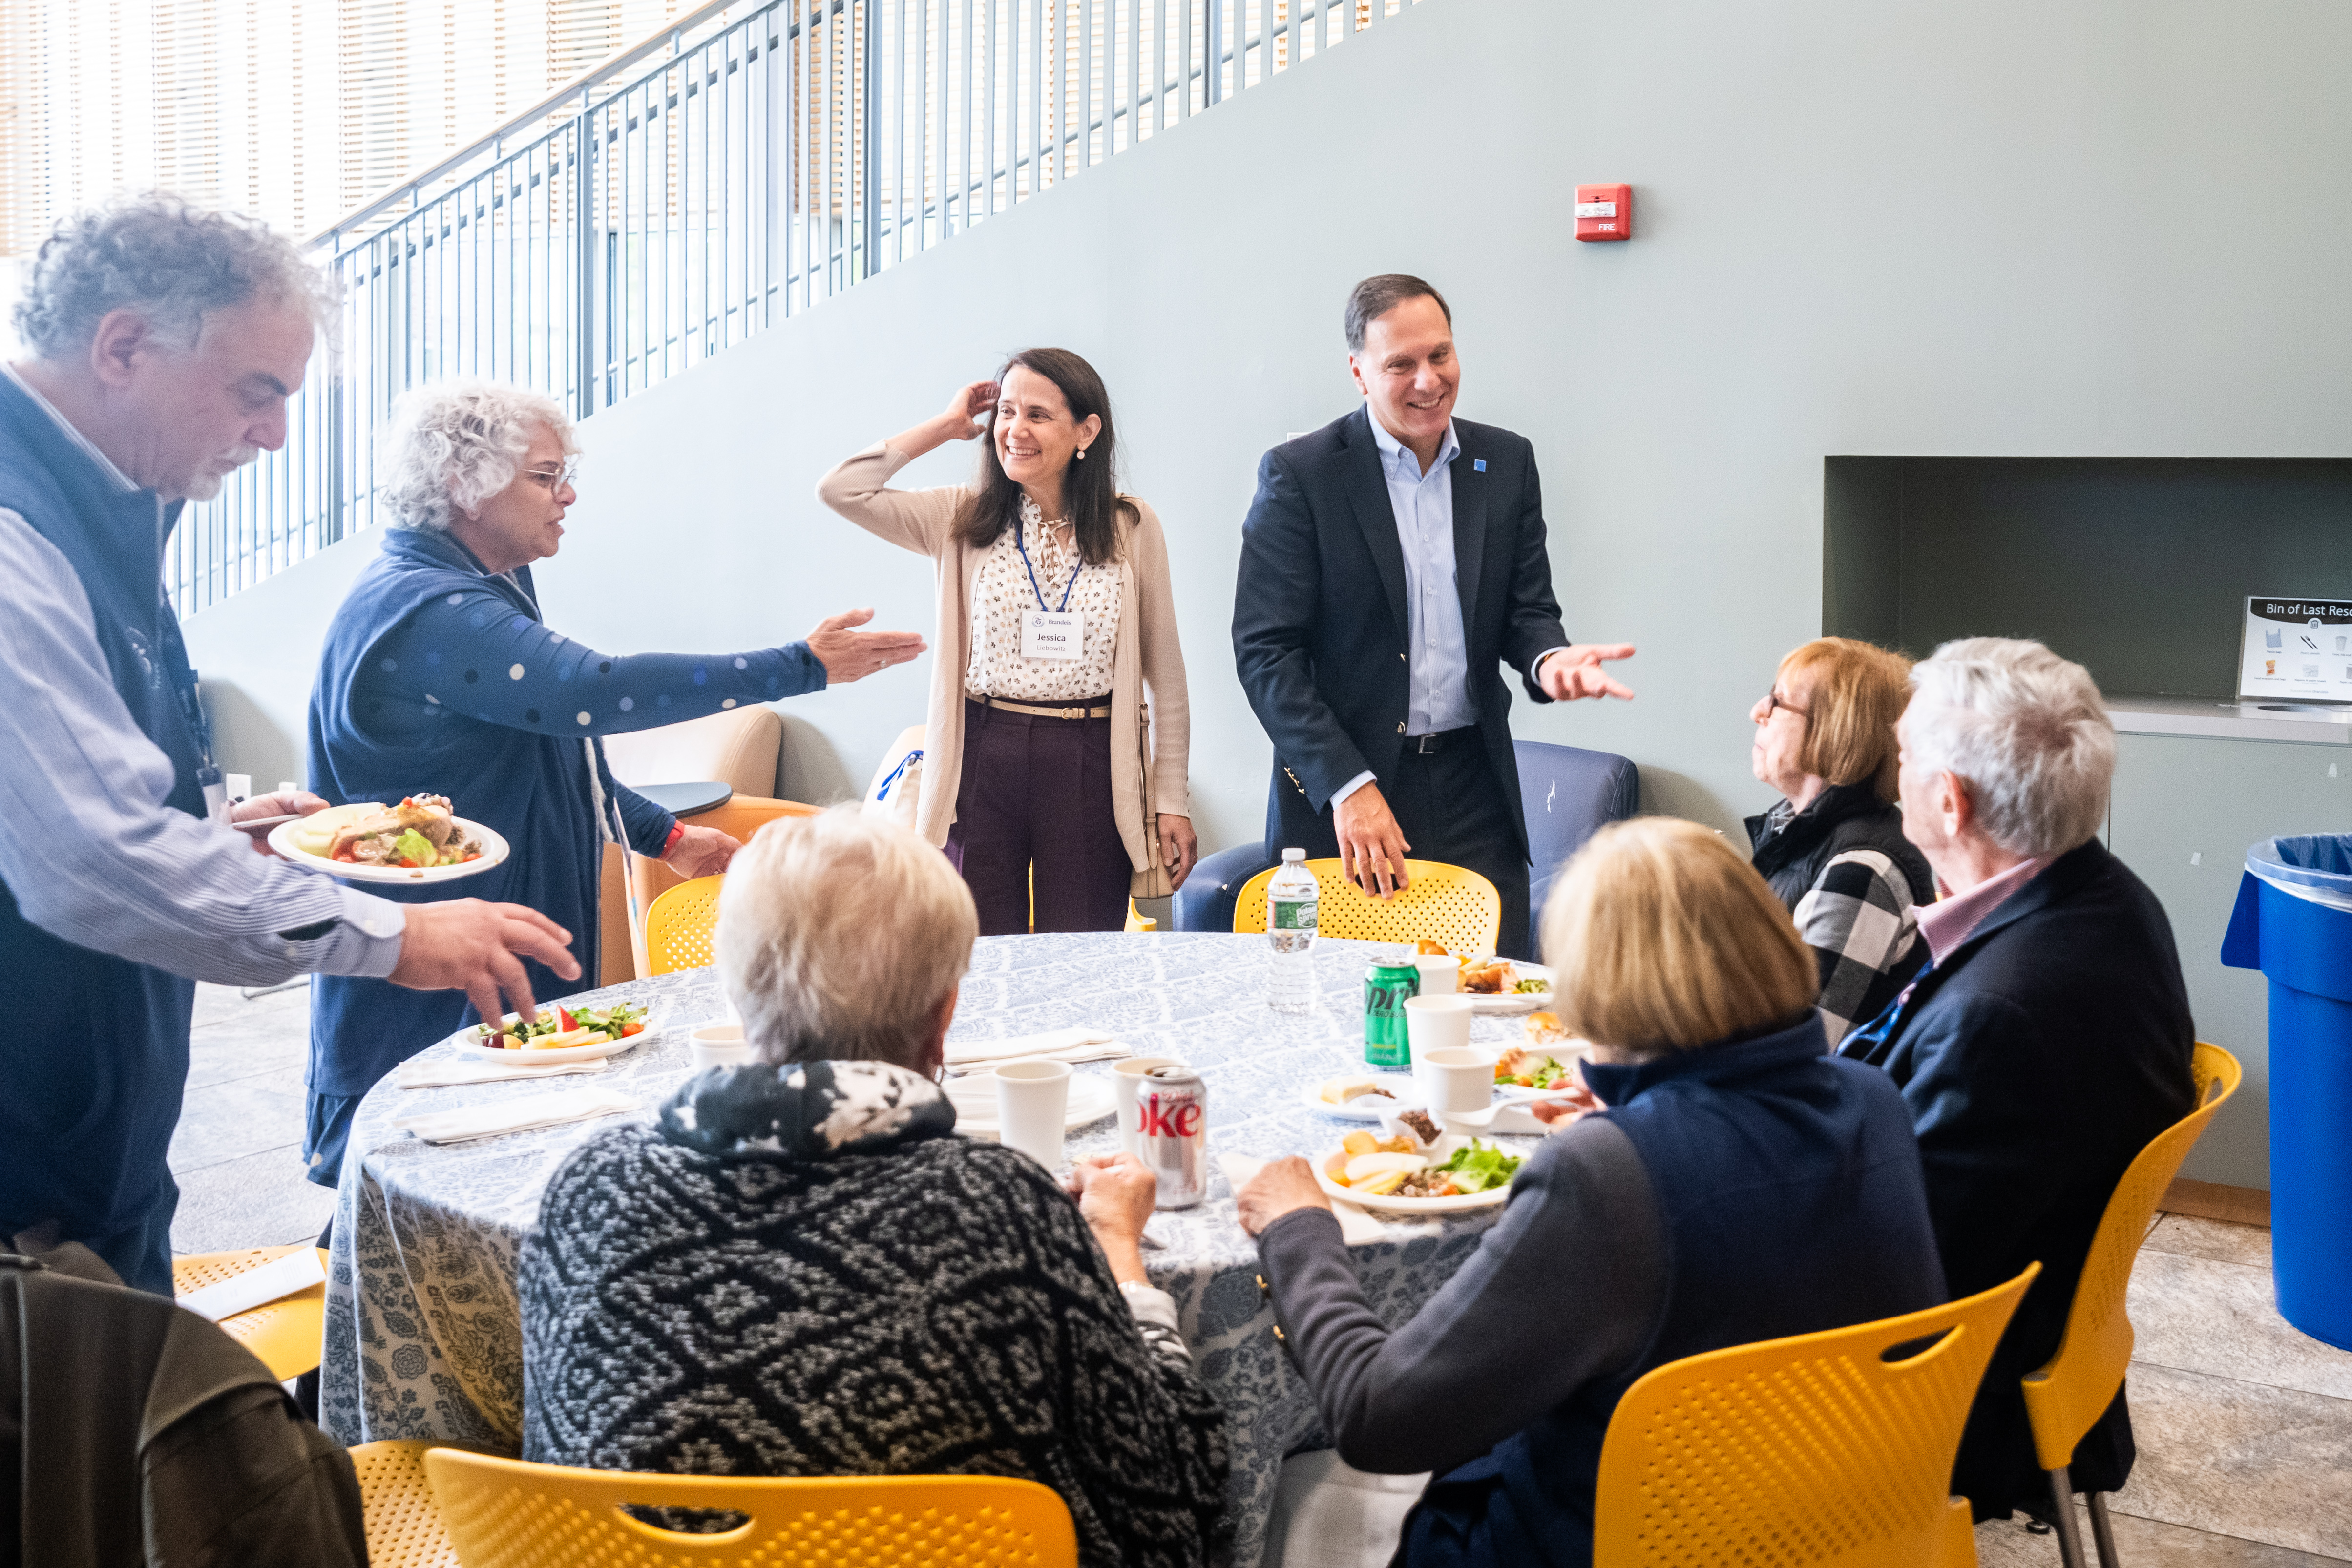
{"x":801,"y":1271}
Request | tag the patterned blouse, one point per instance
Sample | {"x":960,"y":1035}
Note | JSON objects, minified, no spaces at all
{"x":1002,"y":594}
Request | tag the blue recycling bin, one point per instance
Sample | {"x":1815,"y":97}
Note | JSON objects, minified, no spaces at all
{"x":2293,"y":923}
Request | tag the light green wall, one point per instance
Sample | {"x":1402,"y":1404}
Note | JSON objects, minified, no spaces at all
{"x":2024,"y":227}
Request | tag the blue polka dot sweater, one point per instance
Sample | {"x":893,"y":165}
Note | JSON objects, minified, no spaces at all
{"x":438,"y":678}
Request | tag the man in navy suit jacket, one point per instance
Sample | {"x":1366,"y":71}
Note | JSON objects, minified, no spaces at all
{"x":1392,"y":563}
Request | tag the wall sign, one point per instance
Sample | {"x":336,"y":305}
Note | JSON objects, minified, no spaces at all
{"x":2298,"y":650}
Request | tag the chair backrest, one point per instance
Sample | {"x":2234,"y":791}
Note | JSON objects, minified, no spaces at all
{"x":506,"y":1513}
{"x":1205,"y":902}
{"x":1444,"y":903}
{"x":286,"y":1333}
{"x":1823,"y":1448}
{"x":1566,"y":794}
{"x":404,"y":1526}
{"x":680,"y":926}
{"x":2070,"y":1393}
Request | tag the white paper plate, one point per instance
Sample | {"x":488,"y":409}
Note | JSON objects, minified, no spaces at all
{"x":1515,"y":1002}
{"x":974,"y":1098}
{"x":1487,"y":1199}
{"x":494,"y":852}
{"x":1366,"y":1108}
{"x":465,"y":1044}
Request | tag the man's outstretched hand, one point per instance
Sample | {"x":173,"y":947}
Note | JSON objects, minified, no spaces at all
{"x":1575,"y":672}
{"x":848,"y":654}
{"x":468,"y":946}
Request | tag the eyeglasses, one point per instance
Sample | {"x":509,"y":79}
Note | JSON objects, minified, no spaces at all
{"x":1773,"y":699}
{"x":552,"y":482}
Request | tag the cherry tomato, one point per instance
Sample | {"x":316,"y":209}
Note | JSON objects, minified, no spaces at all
{"x":629,"y":1028}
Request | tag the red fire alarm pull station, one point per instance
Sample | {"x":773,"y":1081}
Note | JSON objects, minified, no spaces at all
{"x":1604,"y":212}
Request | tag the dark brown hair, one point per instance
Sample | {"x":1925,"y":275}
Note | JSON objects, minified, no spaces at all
{"x":1090,"y":497}
{"x":1376,"y":297}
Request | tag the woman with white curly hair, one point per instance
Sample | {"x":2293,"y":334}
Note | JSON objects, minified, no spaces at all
{"x":2049,"y":1038}
{"x":440,"y":677}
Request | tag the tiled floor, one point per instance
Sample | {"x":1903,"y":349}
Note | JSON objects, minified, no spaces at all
{"x":238,"y":1151}
{"x":2244,"y":1425}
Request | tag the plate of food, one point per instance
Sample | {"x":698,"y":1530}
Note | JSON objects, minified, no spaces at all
{"x":974,"y":1098}
{"x":1395,"y":1177}
{"x":565,"y":1034}
{"x":1362,"y":1096}
{"x":420,"y":840}
{"x":1494,"y":985}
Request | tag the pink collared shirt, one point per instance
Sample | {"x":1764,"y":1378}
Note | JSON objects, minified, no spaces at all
{"x":1950,"y":921}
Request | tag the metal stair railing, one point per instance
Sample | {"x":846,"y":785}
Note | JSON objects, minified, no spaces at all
{"x":736,"y":169}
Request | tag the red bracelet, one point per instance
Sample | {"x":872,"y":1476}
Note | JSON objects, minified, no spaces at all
{"x":677,"y":831}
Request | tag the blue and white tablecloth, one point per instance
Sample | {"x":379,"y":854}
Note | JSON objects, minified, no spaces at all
{"x":423,"y":1338}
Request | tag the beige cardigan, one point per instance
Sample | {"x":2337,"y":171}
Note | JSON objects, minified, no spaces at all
{"x":923,"y":521}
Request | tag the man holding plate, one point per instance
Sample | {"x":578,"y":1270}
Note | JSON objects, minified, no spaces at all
{"x":164,"y":343}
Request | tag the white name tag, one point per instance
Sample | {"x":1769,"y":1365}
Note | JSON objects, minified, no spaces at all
{"x":1053,"y":634}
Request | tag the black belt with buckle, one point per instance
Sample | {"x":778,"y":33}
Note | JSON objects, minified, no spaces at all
{"x":1425,"y":743}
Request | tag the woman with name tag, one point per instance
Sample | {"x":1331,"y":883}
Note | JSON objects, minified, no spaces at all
{"x":1055,"y":747}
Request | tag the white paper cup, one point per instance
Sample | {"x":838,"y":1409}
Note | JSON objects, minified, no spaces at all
{"x":1441,"y":974}
{"x":1033,"y":1099}
{"x":717,"y":1045}
{"x":1436,"y":1023}
{"x":1126,"y":1078}
{"x":1455,"y":1078}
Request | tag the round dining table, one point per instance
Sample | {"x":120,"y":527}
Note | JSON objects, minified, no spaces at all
{"x":424,"y":1337}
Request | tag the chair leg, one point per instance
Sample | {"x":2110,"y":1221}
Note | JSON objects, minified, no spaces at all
{"x":2102,"y":1533}
{"x":2062,"y":1518}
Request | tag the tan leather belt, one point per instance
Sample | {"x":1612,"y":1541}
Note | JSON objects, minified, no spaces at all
{"x":1034,"y":712}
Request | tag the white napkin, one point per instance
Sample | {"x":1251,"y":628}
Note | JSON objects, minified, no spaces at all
{"x":1077,"y":1044}
{"x":516,"y":1115}
{"x":446,"y":1070}
{"x":298,"y":1270}
{"x":1357,"y":1227}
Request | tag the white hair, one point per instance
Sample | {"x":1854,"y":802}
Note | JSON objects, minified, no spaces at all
{"x":458,"y":443}
{"x":2026,"y":733}
{"x":170,"y":261}
{"x":840,"y":935}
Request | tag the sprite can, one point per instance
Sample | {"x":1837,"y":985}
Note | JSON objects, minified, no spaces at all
{"x":1387,"y":986}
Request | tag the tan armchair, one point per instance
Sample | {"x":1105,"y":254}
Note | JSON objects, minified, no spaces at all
{"x":739,"y":748}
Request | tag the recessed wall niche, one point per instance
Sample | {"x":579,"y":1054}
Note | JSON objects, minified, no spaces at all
{"x":2136,"y":567}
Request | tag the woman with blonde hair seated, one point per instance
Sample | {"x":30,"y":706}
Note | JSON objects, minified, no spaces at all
{"x":1833,"y":848}
{"x":1735,"y":1185}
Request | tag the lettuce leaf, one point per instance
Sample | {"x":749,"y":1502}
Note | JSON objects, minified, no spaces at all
{"x":1477,"y":1167}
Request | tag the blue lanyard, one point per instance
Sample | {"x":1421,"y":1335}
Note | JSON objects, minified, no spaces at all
{"x":1066,"y":587}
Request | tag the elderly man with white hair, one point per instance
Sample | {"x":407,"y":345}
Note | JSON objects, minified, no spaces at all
{"x":163,"y":344}
{"x":440,"y":676}
{"x":2048,"y":1040}
{"x":799,"y":1268}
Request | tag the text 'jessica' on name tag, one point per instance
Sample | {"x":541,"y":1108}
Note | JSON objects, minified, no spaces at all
{"x":1053,"y":634}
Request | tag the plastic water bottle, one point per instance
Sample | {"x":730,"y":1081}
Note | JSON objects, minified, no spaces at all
{"x":1290,"y":900}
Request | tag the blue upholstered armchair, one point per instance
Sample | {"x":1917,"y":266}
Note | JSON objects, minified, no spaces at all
{"x":1567,"y":791}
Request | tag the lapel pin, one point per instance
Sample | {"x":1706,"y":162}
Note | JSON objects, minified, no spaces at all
{"x":1477,"y":465}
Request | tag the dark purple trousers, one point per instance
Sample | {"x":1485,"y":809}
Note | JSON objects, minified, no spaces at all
{"x":1035,"y":792}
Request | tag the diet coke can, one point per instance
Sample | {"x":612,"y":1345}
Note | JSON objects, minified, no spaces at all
{"x":1172,"y":1108}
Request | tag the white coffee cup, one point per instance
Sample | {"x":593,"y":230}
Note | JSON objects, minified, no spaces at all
{"x":1126,"y":1078}
{"x":1455,"y":1078}
{"x":1032,"y":1099}
{"x":1441,"y":974}
{"x":717,"y":1045}
{"x":1436,"y":1023}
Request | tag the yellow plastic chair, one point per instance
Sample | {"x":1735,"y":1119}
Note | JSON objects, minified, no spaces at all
{"x":679,"y":925}
{"x":1831,"y":1449}
{"x":506,"y":1513}
{"x":2074,"y":1390}
{"x":404,"y":1523}
{"x":1444,"y":903}
{"x":1138,"y":921}
{"x":285,"y":1333}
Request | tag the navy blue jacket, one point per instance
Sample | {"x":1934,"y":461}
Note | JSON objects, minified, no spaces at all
{"x":96,"y":1054}
{"x":2038,"y":1058}
{"x":1319,"y":619}
{"x":438,"y":678}
{"x":1789,"y":1197}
